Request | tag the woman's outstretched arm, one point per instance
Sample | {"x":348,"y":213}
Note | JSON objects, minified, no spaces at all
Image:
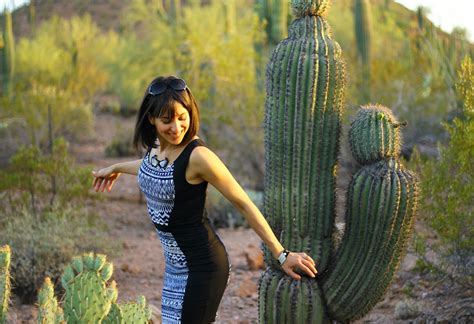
{"x":106,"y":177}
{"x":205,"y":165}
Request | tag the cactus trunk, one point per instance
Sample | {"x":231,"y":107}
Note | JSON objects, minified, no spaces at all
{"x":305,"y":82}
{"x":7,"y":56}
{"x":5,"y":287}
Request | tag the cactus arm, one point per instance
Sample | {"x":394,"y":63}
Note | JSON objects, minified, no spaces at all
{"x":380,"y":209}
{"x":49,"y":311}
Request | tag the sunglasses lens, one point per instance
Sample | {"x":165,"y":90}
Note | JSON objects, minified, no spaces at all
{"x":178,"y":84}
{"x":157,"y":88}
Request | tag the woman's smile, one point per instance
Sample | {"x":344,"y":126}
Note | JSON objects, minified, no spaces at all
{"x":172,"y":128}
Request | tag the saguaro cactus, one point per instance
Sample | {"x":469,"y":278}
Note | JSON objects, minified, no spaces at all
{"x":275,"y":12}
{"x":305,"y":86}
{"x":5,"y":288}
{"x":363,"y":35}
{"x":7,"y":55}
{"x":380,"y":209}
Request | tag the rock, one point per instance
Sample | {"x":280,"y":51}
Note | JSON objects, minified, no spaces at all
{"x":254,"y":257}
{"x":155,"y":313}
{"x":407,"y":309}
{"x":130,"y":268}
{"x":247,"y":288}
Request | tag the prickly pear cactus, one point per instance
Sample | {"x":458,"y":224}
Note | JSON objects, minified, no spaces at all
{"x":88,"y":298}
{"x":305,"y":85}
{"x":137,"y":312}
{"x":5,"y":288}
{"x":48,"y":310}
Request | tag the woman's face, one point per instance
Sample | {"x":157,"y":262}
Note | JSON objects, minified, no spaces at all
{"x":171,"y":129}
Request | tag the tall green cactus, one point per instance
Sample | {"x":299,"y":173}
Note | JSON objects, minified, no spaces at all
{"x":7,"y":55}
{"x":305,"y":86}
{"x":5,"y":288}
{"x":363,"y":32}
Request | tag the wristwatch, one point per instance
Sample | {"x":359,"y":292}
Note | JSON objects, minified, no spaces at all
{"x":283,"y":255}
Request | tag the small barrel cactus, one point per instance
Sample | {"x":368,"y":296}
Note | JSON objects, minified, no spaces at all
{"x":5,"y":288}
{"x":88,"y":298}
{"x":49,"y":311}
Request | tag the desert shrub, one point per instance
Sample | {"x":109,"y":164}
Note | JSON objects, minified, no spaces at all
{"x":43,"y":216}
{"x":223,"y":214}
{"x":43,"y":244}
{"x":120,"y":146}
{"x":447,"y":184}
{"x":40,"y":180}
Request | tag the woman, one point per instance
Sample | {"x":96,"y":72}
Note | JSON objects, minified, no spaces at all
{"x":173,"y":176}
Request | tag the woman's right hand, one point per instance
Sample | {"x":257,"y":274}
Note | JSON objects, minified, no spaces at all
{"x":104,"y":179}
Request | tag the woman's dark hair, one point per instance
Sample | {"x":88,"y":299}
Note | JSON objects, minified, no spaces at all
{"x":162,"y":105}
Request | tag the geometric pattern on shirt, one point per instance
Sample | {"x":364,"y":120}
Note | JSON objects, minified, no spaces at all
{"x":175,"y":279}
{"x":158,"y":186}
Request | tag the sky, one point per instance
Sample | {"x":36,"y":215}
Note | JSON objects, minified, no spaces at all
{"x":444,"y":13}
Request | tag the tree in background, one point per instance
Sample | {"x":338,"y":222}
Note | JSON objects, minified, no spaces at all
{"x":447,"y":184}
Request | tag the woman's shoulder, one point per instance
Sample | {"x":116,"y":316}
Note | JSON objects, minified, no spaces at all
{"x":202,"y":155}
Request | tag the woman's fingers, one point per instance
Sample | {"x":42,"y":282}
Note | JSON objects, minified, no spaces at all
{"x":310,"y":265}
{"x":306,"y":269}
{"x":292,"y":274}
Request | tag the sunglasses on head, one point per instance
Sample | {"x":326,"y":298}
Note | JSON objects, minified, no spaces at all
{"x":158,"y":87}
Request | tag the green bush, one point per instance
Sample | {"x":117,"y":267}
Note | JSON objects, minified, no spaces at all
{"x":43,"y":244}
{"x":447,"y":185}
{"x":223,"y":214}
{"x":43,"y":218}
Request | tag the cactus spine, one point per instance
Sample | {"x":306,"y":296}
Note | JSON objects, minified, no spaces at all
{"x":305,"y":86}
{"x":363,"y":31}
{"x":7,"y":55}
{"x":5,"y":288}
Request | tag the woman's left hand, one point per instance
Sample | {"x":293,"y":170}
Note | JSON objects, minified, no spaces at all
{"x":300,"y":261}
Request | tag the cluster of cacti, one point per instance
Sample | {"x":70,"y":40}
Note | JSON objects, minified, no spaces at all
{"x":305,"y":86}
{"x":275,"y":13}
{"x":88,"y":298}
{"x":363,"y":31}
{"x":5,"y":255}
{"x":7,"y":55}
